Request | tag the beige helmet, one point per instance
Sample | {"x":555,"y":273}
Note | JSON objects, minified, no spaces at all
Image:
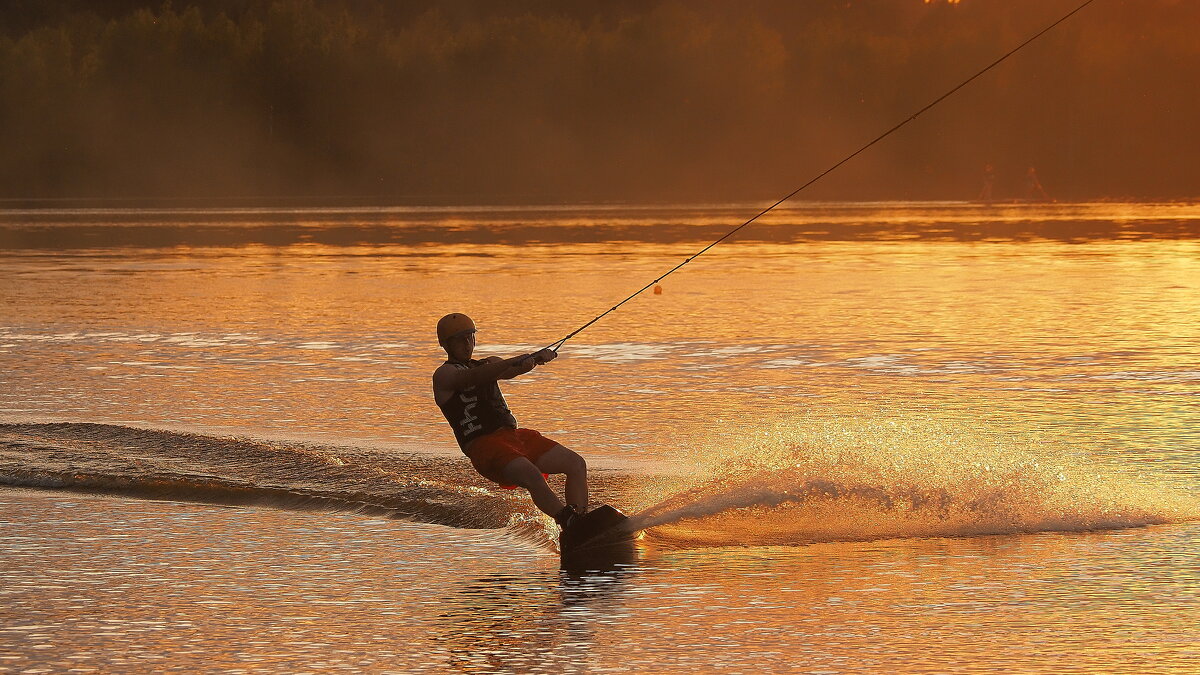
{"x":453,"y":324}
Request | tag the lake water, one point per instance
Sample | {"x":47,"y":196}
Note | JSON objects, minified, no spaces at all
{"x":863,"y":437}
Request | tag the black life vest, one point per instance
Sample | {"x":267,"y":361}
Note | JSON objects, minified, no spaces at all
{"x":476,"y":411}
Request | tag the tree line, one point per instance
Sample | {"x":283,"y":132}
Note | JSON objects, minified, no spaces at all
{"x":539,"y":100}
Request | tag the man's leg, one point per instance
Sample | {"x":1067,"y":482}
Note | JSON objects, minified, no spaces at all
{"x":523,"y":473}
{"x":561,"y":460}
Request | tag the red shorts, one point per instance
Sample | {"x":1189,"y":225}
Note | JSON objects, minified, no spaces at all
{"x":491,"y":453}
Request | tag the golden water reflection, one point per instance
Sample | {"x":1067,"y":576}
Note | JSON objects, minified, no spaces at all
{"x":935,"y":341}
{"x":1091,"y":343}
{"x":111,"y":584}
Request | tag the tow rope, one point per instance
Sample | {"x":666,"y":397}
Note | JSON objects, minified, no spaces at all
{"x":556,"y":345}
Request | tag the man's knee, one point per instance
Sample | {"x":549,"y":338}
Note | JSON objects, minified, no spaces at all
{"x":561,"y":460}
{"x":523,"y":473}
{"x":574,"y":463}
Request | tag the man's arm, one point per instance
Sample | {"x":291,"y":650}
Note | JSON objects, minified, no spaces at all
{"x":523,"y":364}
{"x":449,"y":378}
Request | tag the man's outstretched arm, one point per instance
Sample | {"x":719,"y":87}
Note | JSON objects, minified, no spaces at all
{"x":524,"y":363}
{"x":450,"y":378}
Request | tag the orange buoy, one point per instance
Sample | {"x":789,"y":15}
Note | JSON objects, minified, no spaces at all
{"x":657,"y":289}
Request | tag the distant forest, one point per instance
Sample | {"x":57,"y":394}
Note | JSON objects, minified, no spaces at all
{"x":478,"y":101}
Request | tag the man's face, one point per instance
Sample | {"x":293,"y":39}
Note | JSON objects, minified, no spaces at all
{"x":461,"y":346}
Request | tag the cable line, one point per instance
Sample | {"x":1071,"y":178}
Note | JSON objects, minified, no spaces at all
{"x":556,"y":345}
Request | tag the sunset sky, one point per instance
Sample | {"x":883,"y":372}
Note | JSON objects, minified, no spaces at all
{"x":470,"y":101}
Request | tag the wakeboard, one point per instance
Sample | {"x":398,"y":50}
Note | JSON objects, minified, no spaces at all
{"x":599,"y":537}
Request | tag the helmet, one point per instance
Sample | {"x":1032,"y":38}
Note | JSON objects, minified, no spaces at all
{"x":453,"y":324}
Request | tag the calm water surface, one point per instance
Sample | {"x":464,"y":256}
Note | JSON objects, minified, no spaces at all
{"x":924,"y":437}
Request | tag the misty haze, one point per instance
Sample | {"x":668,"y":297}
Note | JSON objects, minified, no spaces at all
{"x":534,"y":101}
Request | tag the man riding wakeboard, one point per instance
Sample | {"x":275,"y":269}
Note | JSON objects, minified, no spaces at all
{"x":468,"y":392}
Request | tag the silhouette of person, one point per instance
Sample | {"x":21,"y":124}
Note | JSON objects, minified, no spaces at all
{"x":1034,"y":191}
{"x":989,"y":181}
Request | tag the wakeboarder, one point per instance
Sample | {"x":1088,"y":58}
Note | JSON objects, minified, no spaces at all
{"x":468,"y":392}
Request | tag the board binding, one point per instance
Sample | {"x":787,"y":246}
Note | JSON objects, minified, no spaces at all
{"x":595,"y":534}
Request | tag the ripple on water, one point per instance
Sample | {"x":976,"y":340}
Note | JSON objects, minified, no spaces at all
{"x":191,"y":586}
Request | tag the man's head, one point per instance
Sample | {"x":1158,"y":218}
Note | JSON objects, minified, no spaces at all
{"x":456,"y":334}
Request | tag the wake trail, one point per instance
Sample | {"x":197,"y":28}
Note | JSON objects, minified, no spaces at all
{"x":805,"y":485}
{"x":158,"y":464}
